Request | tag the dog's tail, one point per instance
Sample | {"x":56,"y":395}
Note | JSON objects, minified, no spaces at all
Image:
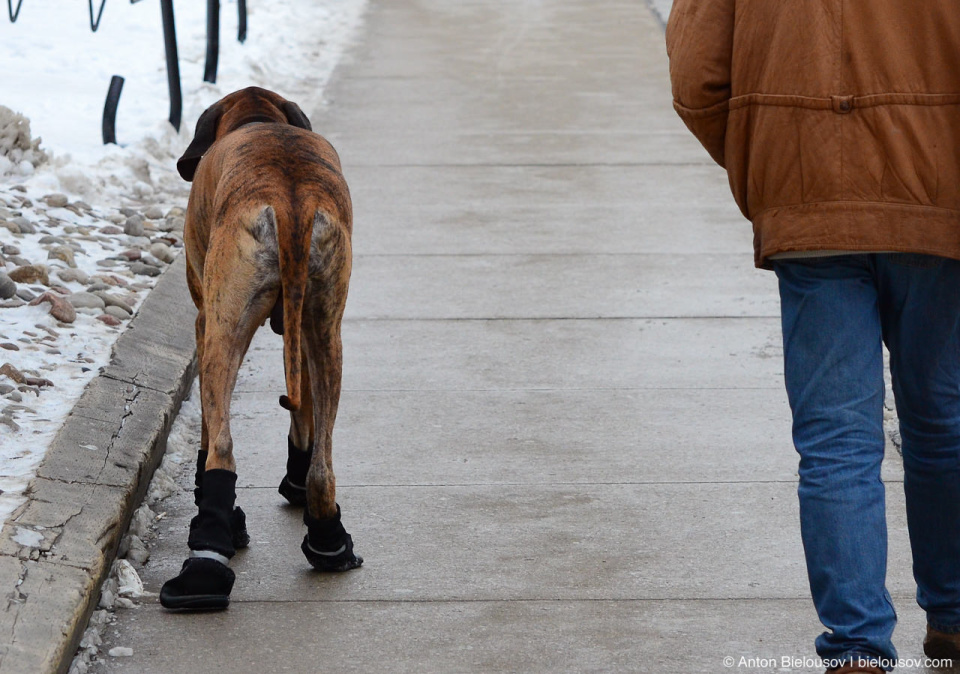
{"x":304,"y":249}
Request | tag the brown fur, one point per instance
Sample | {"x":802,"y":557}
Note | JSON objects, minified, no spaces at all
{"x":242,"y":270}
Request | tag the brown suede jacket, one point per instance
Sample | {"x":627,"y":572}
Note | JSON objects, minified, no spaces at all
{"x":838,"y":121}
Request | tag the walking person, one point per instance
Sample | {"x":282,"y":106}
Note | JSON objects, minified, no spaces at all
{"x":838,"y":122}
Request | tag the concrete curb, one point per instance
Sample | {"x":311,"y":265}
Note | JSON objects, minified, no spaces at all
{"x":90,"y":482}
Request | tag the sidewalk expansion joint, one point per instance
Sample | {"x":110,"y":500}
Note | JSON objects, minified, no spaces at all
{"x":638,"y":164}
{"x":565,"y":319}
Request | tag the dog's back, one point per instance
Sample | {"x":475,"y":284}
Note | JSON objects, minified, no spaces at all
{"x":280,"y":192}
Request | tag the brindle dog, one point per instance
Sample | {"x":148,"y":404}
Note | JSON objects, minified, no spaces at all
{"x":267,"y":235}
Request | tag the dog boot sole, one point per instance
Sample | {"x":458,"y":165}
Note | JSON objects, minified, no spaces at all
{"x":203,"y":585}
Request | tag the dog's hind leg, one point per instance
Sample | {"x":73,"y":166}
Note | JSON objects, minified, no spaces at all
{"x":327,"y":545}
{"x":300,"y":443}
{"x":232,"y":312}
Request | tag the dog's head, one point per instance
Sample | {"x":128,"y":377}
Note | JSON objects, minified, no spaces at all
{"x":252,"y":104}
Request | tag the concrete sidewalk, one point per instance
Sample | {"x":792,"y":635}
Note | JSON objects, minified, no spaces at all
{"x":563,"y":442}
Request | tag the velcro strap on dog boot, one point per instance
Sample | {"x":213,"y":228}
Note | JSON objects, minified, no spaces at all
{"x":204,"y":584}
{"x":212,"y":528}
{"x":327,"y":545}
{"x":293,"y":487}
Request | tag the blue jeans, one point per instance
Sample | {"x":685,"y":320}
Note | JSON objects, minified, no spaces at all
{"x":835,"y":313}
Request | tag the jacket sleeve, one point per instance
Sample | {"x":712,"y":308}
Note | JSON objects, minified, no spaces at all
{"x":700,"y":48}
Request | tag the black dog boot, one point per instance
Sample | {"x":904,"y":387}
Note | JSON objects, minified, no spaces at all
{"x":238,"y":519}
{"x":328,"y":546}
{"x":204,"y":584}
{"x":205,"y":581}
{"x":293,"y":487}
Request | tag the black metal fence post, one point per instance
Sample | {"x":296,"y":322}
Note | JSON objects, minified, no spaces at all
{"x":242,"y":30}
{"x":213,"y":40}
{"x":173,"y":62}
{"x":15,"y":13}
{"x":109,"y":127}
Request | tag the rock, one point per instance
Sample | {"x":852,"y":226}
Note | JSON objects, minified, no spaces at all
{"x":127,"y":211}
{"x":144,"y":269}
{"x":26,"y":227}
{"x":31,"y":273}
{"x":12,"y":303}
{"x":142,"y":521}
{"x":128,"y":580}
{"x":7,"y":421}
{"x":153,"y":212}
{"x":10,"y":249}
{"x":135,"y":550}
{"x":108,"y":598}
{"x":133,"y":226}
{"x":64,"y":253}
{"x":113,"y":301}
{"x":162,"y":251}
{"x":73,"y":276}
{"x":133,"y":254}
{"x":107,"y":263}
{"x":9,"y":346}
{"x":44,"y":240}
{"x":91,"y":639}
{"x":8,"y":288}
{"x":25,"y":295}
{"x":110,"y":229}
{"x":109,"y":320}
{"x":60,"y":309}
{"x":5,"y":389}
{"x":120,"y":652}
{"x":117,"y":313}
{"x":86,"y":301}
{"x":171,"y":223}
{"x":152,"y":261}
{"x":15,"y":396}
{"x":56,"y":200}
{"x":13,"y":373}
{"x":12,"y":227}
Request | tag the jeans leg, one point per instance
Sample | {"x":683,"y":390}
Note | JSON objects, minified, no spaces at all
{"x":920,"y":309}
{"x":833,"y":367}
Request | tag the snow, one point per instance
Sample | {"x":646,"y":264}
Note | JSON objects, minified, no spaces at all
{"x":56,"y":73}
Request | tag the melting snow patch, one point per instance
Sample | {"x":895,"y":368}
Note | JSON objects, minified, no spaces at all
{"x":28,"y":537}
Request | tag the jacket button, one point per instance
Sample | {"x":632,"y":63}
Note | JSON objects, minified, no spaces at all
{"x":842,"y":104}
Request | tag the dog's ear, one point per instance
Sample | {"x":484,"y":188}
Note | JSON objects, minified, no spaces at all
{"x":295,"y":115}
{"x":203,"y":138}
